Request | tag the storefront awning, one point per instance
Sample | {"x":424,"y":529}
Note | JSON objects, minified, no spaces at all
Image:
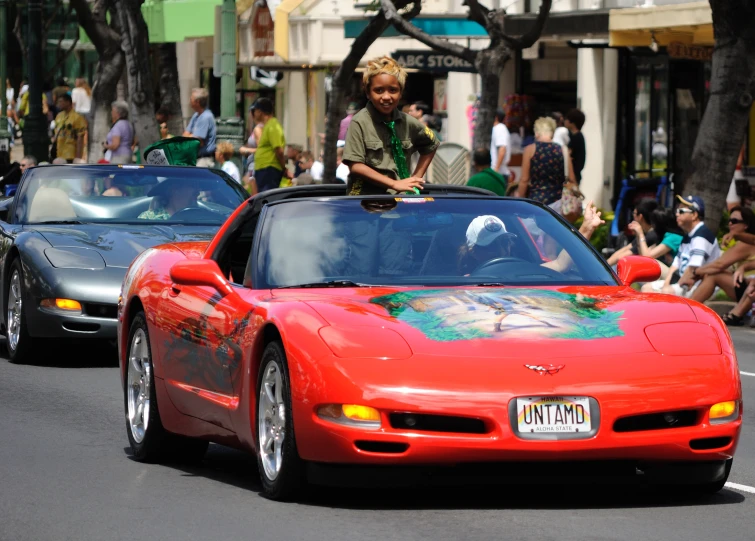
{"x":689,"y":24}
{"x":441,"y":26}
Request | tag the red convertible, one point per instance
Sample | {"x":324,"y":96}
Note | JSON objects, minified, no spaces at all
{"x":450,"y":329}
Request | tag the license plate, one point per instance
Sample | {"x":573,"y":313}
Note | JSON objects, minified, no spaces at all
{"x":553,"y":414}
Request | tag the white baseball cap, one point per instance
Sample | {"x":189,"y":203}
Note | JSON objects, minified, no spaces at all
{"x":485,"y":229}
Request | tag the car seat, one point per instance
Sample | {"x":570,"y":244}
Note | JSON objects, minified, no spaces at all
{"x":51,"y":204}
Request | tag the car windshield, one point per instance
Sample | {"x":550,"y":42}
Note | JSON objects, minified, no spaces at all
{"x":412,"y":241}
{"x":127,"y":194}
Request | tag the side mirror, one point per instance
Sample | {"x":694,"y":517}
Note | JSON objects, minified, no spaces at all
{"x":637,"y":268}
{"x":200,"y":272}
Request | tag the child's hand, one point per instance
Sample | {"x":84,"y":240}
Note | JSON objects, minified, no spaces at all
{"x":407,"y":184}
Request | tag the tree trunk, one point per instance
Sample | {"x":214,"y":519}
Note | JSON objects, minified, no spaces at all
{"x":724,"y":125}
{"x":106,"y":39}
{"x":489,"y":63}
{"x":135,"y":45}
{"x":170,"y":91}
{"x":108,"y":74}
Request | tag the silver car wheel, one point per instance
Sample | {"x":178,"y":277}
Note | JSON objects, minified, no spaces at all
{"x":139,"y":386}
{"x":15,"y":310}
{"x":272,"y":421}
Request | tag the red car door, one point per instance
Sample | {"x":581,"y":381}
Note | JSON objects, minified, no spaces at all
{"x":196,"y":326}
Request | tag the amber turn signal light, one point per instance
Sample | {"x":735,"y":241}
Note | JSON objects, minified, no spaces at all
{"x":350,"y":414}
{"x":724,"y":412}
{"x":61,"y":304}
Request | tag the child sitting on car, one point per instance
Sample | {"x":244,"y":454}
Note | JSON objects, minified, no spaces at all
{"x":381,"y":139}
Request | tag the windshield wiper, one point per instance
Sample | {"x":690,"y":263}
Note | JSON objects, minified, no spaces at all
{"x":59,"y":222}
{"x":331,"y":283}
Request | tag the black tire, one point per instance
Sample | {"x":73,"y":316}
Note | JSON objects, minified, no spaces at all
{"x":155,"y":444}
{"x":290,"y":479}
{"x":25,"y":349}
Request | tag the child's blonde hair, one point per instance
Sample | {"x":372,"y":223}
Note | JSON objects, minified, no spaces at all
{"x":387,"y":65}
{"x":226,"y":149}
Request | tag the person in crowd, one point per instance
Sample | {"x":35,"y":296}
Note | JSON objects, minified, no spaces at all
{"x":202,"y":126}
{"x":293,"y":155}
{"x":119,"y":143}
{"x":561,"y":135}
{"x":486,"y":177}
{"x":342,"y":170}
{"x":250,"y":147}
{"x":223,"y":154}
{"x":699,"y":246}
{"x":664,"y":225}
{"x":269,"y":158}
{"x":575,"y":119}
{"x":81,"y":96}
{"x":733,"y":197}
{"x":10,"y":102}
{"x":419,"y":110}
{"x":62,"y":87}
{"x":717,"y":273}
{"x":163,"y":116}
{"x":435,"y":123}
{"x":736,"y":316}
{"x":374,"y":149}
{"x":545,"y":166}
{"x":642,"y":227}
{"x":344,"y":126}
{"x":70,"y":128}
{"x":317,"y":169}
{"x":500,"y":145}
{"x":27,"y":161}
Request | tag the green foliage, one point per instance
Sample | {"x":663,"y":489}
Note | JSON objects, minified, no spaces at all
{"x":600,"y":324}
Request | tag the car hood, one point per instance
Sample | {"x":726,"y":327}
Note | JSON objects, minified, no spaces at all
{"x":119,"y":244}
{"x":495,"y":322}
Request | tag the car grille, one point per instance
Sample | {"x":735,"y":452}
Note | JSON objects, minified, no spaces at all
{"x":656,"y":421}
{"x":101,"y":310}
{"x":437,"y":423}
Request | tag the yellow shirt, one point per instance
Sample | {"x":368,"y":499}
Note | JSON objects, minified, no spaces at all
{"x":271,"y":139}
{"x":68,"y":127}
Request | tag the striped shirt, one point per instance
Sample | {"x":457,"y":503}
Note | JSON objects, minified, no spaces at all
{"x":698,"y":247}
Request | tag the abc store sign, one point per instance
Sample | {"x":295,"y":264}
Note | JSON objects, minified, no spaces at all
{"x":432,"y":61}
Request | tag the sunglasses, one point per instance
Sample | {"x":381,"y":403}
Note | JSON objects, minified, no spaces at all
{"x":684,"y":211}
{"x":735,"y":221}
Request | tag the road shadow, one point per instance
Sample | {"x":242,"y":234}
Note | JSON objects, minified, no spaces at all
{"x":239,"y":469}
{"x":222,"y":464}
{"x":71,"y":354}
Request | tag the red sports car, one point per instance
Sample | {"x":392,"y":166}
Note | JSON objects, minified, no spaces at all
{"x":452,"y":328}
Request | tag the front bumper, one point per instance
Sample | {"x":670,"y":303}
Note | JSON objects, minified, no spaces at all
{"x":44,"y":324}
{"x":97,"y":291}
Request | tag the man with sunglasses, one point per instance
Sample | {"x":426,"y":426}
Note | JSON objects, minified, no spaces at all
{"x":699,"y":246}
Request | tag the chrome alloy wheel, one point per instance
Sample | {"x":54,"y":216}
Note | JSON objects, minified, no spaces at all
{"x":272,"y":421}
{"x":139,"y":385}
{"x":15,"y":310}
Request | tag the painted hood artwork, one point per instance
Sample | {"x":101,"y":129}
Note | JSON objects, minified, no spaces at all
{"x":450,"y":315}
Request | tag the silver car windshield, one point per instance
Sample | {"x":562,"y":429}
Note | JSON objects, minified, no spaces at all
{"x":179,"y":195}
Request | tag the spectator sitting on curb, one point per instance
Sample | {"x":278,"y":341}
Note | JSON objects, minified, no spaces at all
{"x":699,"y":246}
{"x":374,"y":150}
{"x":486,"y":177}
{"x":716,"y":273}
{"x":642,"y":226}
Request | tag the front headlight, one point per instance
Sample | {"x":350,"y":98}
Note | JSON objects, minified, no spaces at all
{"x":75,"y":258}
{"x":683,"y":339}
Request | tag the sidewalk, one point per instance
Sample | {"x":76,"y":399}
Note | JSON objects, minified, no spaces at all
{"x":17,"y":151}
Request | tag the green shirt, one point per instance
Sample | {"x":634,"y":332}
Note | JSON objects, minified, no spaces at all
{"x":673,"y":241}
{"x":489,"y":180}
{"x":368,"y":141}
{"x":272,"y":138}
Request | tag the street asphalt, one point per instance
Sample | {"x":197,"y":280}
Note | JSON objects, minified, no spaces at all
{"x":65,"y":473}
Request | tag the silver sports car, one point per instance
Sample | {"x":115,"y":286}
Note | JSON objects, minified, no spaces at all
{"x":71,"y":231}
